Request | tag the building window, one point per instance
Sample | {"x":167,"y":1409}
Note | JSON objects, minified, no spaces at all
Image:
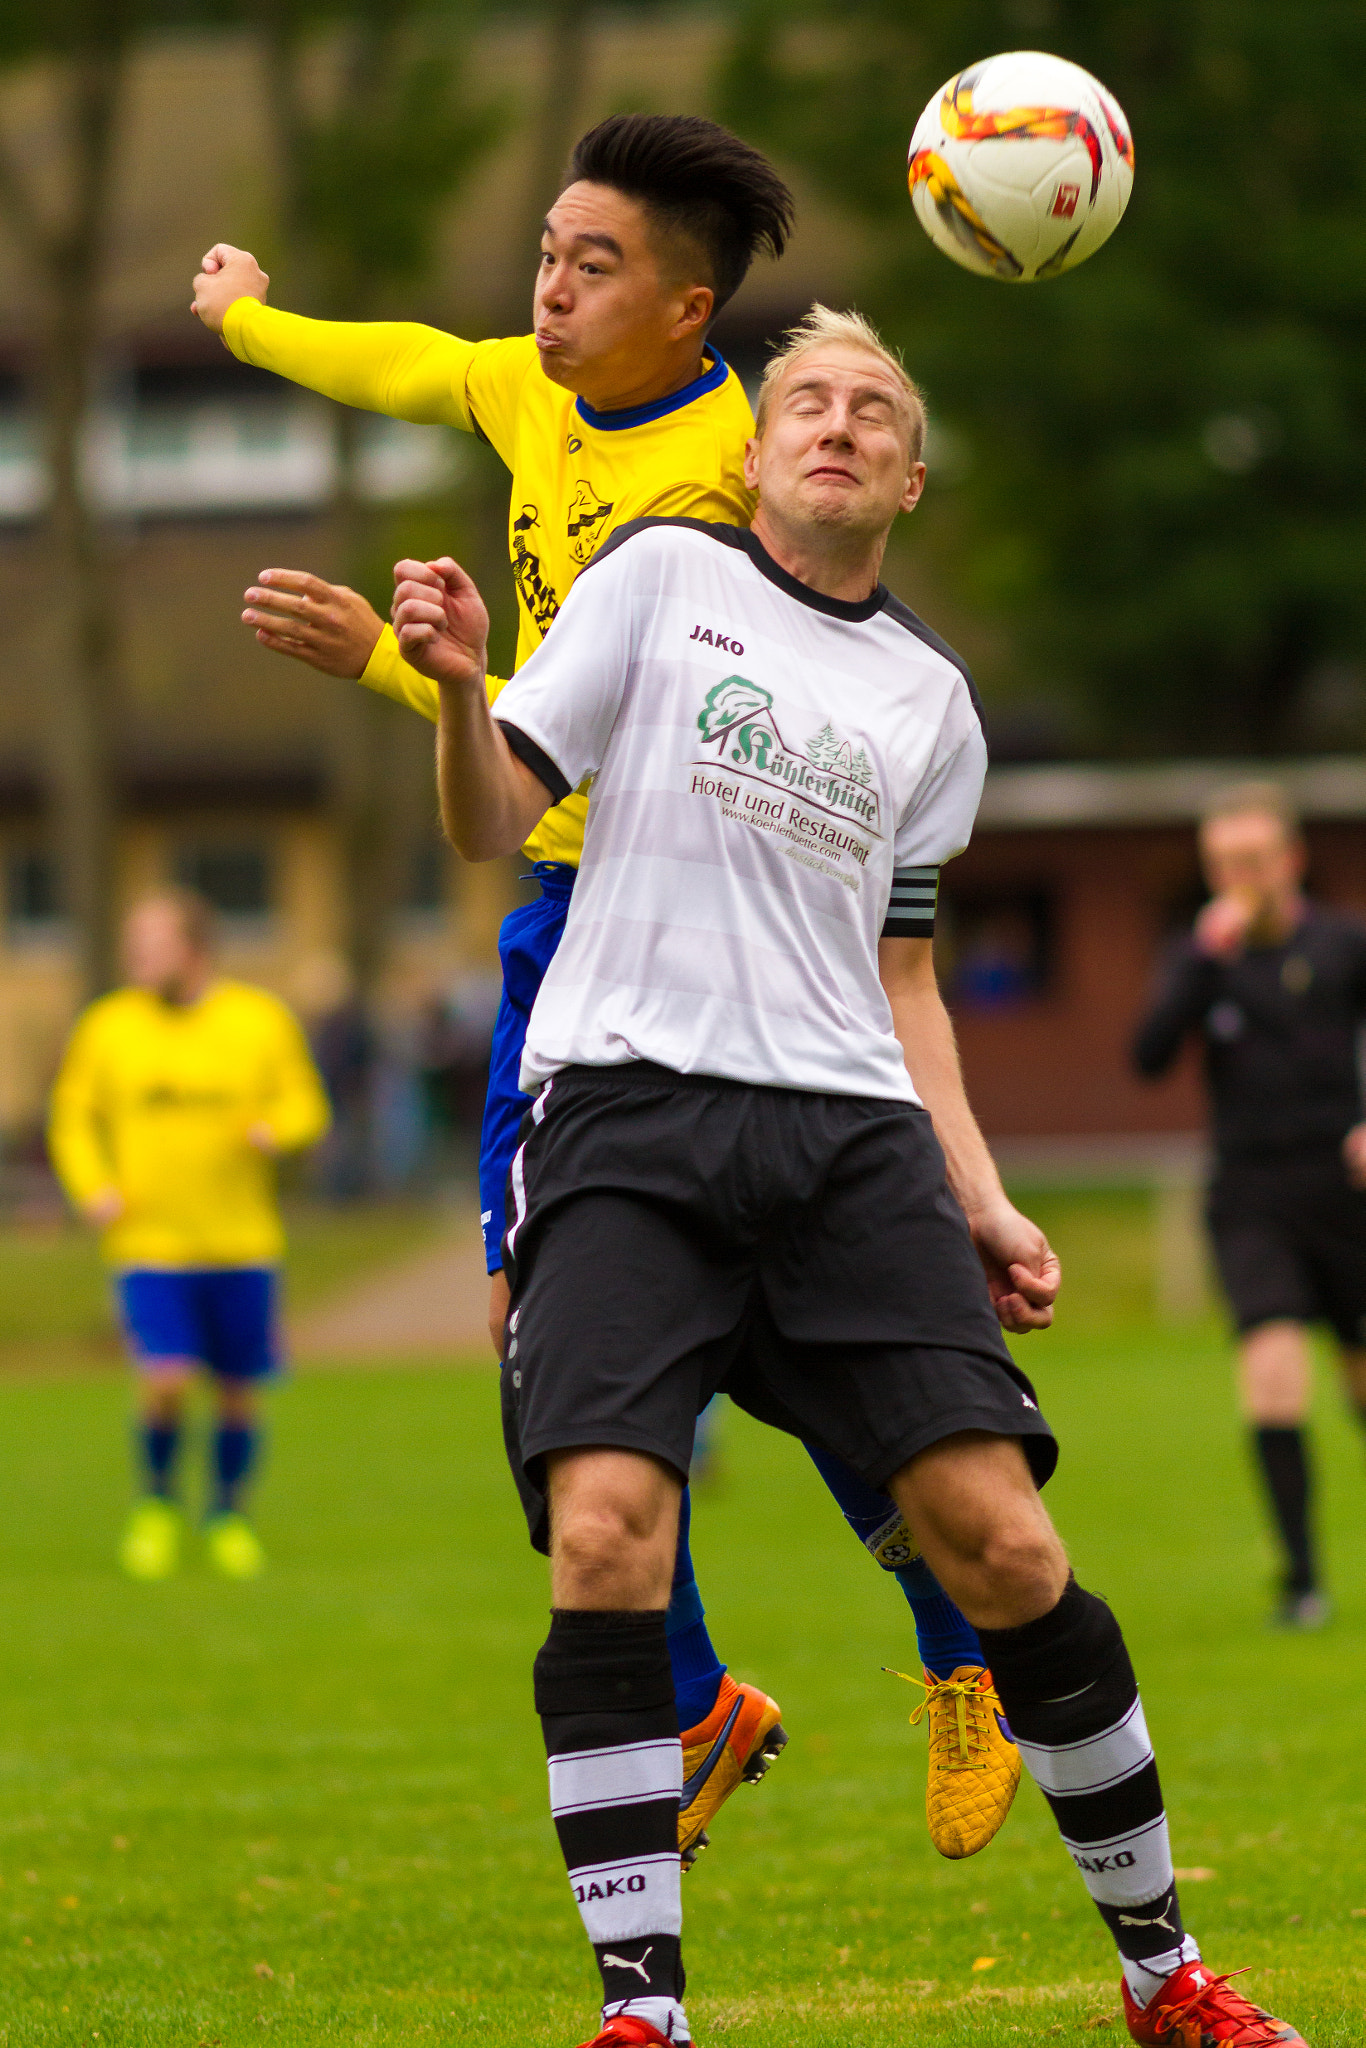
{"x":996,"y":950}
{"x":234,"y":878}
{"x":33,"y":899}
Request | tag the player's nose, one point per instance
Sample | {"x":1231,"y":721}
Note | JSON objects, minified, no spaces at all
{"x":553,"y":288}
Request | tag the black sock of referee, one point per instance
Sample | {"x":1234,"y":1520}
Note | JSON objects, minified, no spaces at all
{"x":1284,"y":1459}
{"x":605,"y":1695}
{"x":1068,"y":1690}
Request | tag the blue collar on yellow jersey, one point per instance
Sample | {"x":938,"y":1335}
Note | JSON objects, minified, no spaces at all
{"x":641,"y":415}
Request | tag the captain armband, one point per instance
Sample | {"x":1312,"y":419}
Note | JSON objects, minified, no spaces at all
{"x":911,"y":907}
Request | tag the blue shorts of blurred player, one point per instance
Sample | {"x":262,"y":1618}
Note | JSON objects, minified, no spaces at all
{"x":226,"y":1317}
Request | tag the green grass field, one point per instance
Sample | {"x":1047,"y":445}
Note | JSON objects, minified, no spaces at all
{"x":313,"y":1808}
{"x":55,"y":1305}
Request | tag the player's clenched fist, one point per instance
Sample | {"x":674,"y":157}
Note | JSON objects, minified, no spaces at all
{"x":440,"y":621}
{"x":225,"y":275}
{"x":1022,"y":1268}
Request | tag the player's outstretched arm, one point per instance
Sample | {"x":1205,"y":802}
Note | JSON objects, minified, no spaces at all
{"x":1023,"y":1274}
{"x":392,"y":366}
{"x":489,"y":799}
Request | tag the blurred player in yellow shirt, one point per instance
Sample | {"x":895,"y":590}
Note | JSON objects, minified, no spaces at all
{"x":174,"y":1098}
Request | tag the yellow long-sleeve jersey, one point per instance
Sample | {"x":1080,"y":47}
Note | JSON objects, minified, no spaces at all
{"x":577,"y":474}
{"x":155,"y":1100}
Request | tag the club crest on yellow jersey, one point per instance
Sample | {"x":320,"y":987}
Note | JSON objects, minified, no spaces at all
{"x":588,"y":512}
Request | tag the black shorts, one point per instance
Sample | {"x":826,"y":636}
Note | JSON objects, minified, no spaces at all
{"x":1290,"y":1241}
{"x":676,"y":1235}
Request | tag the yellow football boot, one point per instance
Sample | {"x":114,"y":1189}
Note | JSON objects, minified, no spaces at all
{"x":150,"y":1545}
{"x":234,"y":1547}
{"x":740,"y":1738}
{"x":974,"y":1765}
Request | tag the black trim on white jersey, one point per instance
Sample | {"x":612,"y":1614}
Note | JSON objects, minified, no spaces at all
{"x":911,"y":906}
{"x":853,"y":611}
{"x":913,"y":623}
{"x":536,"y":759}
{"x":881,"y":600}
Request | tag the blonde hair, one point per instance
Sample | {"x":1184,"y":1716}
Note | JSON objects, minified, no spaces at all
{"x":823,"y":327}
{"x":1244,"y":799}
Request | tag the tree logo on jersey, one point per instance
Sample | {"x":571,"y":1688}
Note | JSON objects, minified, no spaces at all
{"x":587,"y":515}
{"x":738,"y":719}
{"x":538,"y":597}
{"x":728,"y":704}
{"x":827,"y":750}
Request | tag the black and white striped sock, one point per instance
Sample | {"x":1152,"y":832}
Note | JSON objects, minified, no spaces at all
{"x":1068,"y":1690}
{"x":605,"y":1695}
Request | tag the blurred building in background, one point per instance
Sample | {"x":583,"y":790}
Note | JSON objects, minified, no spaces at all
{"x":1142,"y":527}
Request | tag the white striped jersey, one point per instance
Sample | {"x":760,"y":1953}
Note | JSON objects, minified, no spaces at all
{"x":776,"y":779}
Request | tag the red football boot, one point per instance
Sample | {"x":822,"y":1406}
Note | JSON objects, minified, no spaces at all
{"x":625,"y":2032}
{"x":1196,"y":2009}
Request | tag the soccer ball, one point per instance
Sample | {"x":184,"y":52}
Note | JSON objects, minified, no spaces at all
{"x":1021,"y":167}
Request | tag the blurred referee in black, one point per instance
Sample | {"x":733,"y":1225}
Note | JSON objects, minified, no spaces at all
{"x":1276,"y":989}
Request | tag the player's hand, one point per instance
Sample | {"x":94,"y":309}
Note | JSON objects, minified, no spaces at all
{"x":262,"y":1139}
{"x":1223,"y":925}
{"x":1354,"y":1155}
{"x":324,"y":624}
{"x":104,"y":1208}
{"x":440,"y":621}
{"x":226,"y":274}
{"x":1023,"y":1274}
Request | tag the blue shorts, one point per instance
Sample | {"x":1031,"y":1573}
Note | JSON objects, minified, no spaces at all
{"x":224,"y":1316}
{"x":526,"y":946}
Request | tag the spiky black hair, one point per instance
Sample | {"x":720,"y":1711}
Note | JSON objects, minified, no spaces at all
{"x":698,"y":183}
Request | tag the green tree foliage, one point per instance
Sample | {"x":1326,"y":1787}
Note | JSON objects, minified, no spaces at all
{"x":1163,"y":454}
{"x":370,"y":166}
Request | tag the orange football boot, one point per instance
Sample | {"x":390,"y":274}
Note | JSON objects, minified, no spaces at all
{"x":740,"y":1738}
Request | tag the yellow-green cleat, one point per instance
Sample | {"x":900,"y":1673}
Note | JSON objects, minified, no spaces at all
{"x":150,"y":1547}
{"x":974,"y":1764}
{"x":234,"y":1547}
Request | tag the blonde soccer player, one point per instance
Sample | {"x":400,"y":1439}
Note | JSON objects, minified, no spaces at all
{"x":175,"y":1097}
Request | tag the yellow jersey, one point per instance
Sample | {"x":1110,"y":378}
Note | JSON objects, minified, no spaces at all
{"x":577,"y":474}
{"x":155,"y":1100}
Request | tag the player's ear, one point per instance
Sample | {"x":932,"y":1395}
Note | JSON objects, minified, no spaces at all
{"x":915,"y":484}
{"x":752,"y":463}
{"x":695,"y":304}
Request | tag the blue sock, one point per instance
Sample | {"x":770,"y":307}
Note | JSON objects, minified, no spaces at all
{"x":697,"y":1669}
{"x":158,"y":1445}
{"x":234,"y":1454}
{"x":944,"y":1635}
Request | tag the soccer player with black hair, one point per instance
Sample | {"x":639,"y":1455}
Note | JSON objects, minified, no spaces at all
{"x":1274,"y":989}
{"x":729,"y":1177}
{"x":616,"y":407}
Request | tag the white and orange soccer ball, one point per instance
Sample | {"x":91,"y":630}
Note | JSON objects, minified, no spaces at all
{"x":1021,"y":166}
